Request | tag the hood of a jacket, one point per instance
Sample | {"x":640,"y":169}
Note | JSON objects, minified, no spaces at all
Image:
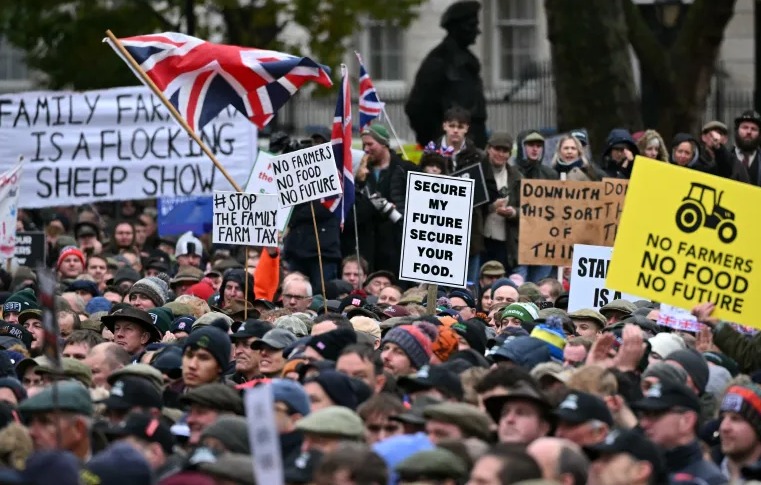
{"x":619,"y":136}
{"x":520,"y":148}
{"x":680,"y":138}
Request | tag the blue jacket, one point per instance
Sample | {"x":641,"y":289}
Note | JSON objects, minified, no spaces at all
{"x":688,"y":460}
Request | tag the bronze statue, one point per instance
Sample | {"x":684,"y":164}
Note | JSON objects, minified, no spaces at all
{"x":450,"y":76}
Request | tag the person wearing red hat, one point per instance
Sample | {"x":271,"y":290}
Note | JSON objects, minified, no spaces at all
{"x":71,"y":262}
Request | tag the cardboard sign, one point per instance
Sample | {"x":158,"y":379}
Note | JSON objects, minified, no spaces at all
{"x":556,"y":215}
{"x":245,"y":219}
{"x":263,"y":436}
{"x":262,"y":181}
{"x":306,"y":175}
{"x":588,"y":290}
{"x":10,"y":185}
{"x":437,"y":221}
{"x":475,"y":172}
{"x":115,"y":144}
{"x":686,"y":238}
{"x":613,"y":193}
{"x":30,"y":249}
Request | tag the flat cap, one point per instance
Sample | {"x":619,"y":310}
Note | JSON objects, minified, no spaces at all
{"x":623,"y":306}
{"x":71,"y":396}
{"x":217,"y":396}
{"x":235,"y":467}
{"x":471,"y":420}
{"x":71,"y":369}
{"x":437,"y":463}
{"x":333,"y":421}
{"x":589,"y":314}
{"x":145,"y":371}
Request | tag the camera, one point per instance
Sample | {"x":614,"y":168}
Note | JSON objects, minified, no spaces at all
{"x":382,"y":205}
{"x":504,"y":192}
{"x":281,"y":143}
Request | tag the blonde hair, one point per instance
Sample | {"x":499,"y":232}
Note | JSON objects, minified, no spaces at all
{"x":469,"y":379}
{"x":647,"y":137}
{"x":579,"y":147}
{"x":197,"y":305}
{"x":594,"y":379}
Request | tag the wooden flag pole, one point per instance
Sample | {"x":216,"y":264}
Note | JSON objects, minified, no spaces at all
{"x":433,"y":292}
{"x":245,"y":290}
{"x":393,"y":132}
{"x":177,"y":116}
{"x":319,"y":257}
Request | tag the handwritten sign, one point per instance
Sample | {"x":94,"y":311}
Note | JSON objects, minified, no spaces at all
{"x":687,"y":237}
{"x":556,"y":215}
{"x":262,"y":181}
{"x":437,"y":221}
{"x":115,"y":144}
{"x":306,"y":175}
{"x":613,"y":194}
{"x":245,"y":219}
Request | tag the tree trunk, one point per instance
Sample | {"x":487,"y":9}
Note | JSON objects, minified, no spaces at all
{"x":594,"y":80}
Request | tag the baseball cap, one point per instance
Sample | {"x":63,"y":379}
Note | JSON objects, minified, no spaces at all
{"x":277,"y":338}
{"x":634,"y":443}
{"x":129,"y":392}
{"x":663,"y":396}
{"x":145,"y":427}
{"x":252,"y":328}
{"x":580,"y":407}
{"x":435,"y":377}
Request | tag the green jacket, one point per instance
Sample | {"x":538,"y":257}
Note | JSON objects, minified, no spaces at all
{"x":745,"y":351}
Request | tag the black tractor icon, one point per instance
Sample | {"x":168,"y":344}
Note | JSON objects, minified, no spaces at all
{"x":702,"y":207}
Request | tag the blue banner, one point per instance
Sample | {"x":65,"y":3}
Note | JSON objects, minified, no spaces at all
{"x":178,"y":215}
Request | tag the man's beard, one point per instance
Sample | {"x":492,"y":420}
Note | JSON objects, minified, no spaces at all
{"x":747,"y":146}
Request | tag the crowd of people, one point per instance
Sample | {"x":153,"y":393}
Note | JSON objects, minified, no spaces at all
{"x":497,"y":383}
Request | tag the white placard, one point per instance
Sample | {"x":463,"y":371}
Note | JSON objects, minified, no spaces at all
{"x":677,"y":318}
{"x":10,"y":182}
{"x":115,"y":144}
{"x":263,"y":435}
{"x":437,"y":220}
{"x":262,"y":181}
{"x":590,"y":266}
{"x":245,"y":219}
{"x":305,"y":175}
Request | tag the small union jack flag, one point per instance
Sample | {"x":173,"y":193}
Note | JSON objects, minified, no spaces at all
{"x":201,"y":79}
{"x":370,"y":106}
{"x":341,"y":140}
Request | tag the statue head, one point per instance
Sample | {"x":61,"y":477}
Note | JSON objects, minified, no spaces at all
{"x":460,"y":21}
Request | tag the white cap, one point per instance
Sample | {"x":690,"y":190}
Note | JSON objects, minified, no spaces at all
{"x":183,"y":243}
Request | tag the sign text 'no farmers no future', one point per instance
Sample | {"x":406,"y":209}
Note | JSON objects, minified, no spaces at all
{"x":305,"y":175}
{"x":437,"y":220}
{"x":245,"y":219}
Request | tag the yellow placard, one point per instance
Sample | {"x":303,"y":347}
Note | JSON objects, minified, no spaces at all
{"x":686,"y":237}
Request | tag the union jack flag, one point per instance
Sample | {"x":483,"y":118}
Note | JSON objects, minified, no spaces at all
{"x":370,"y":106}
{"x":201,"y":79}
{"x":341,"y":140}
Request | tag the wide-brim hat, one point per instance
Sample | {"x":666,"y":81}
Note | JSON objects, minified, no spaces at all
{"x":135,"y":315}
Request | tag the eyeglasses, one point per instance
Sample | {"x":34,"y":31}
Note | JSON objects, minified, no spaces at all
{"x":377,"y":428}
{"x":295,"y":297}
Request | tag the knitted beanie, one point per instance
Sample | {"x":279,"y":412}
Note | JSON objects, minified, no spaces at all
{"x":338,"y":387}
{"x":70,"y":251}
{"x":745,"y":400}
{"x":213,"y":340}
{"x":666,"y":373}
{"x":20,"y":301}
{"x":154,"y":288}
{"x":97,"y":304}
{"x":695,"y":365}
{"x":552,"y":334}
{"x":474,"y":332}
{"x":330,"y":344}
{"x":415,"y":340}
{"x":379,"y":133}
{"x":525,"y":312}
{"x":446,"y":344}
{"x":665,"y":343}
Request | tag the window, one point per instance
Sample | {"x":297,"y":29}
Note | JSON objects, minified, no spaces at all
{"x":515,"y":40}
{"x":384,"y":51}
{"x":12,"y":65}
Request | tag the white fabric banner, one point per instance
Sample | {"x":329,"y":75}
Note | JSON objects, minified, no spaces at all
{"x":115,"y":144}
{"x":9,"y":195}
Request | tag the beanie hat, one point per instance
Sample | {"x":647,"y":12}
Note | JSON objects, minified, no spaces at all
{"x":70,"y":251}
{"x":202,"y":290}
{"x":379,"y":133}
{"x":214,"y":340}
{"x":162,"y":318}
{"x":20,"y":301}
{"x":666,"y":373}
{"x":525,"y":312}
{"x":718,"y":378}
{"x":338,"y":387}
{"x":121,"y":464}
{"x":182,"y":324}
{"x":232,"y":432}
{"x":154,"y":288}
{"x":446,"y":344}
{"x":415,"y":340}
{"x":97,"y":304}
{"x":552,"y":334}
{"x":474,"y":332}
{"x":330,"y":344}
{"x":695,"y":365}
{"x":502,"y":282}
{"x":745,"y":400}
{"x":665,"y":343}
